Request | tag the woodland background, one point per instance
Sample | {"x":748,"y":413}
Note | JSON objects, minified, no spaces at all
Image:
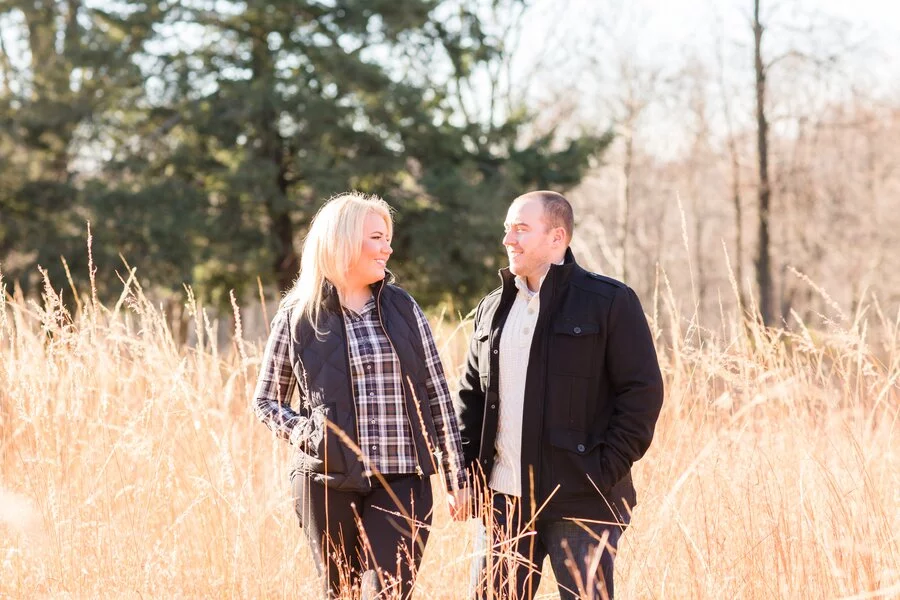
{"x":199,"y":137}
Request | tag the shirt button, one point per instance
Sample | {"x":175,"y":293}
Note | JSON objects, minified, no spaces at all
{"x":369,"y":367}
{"x":581,"y":447}
{"x":577,"y":330}
{"x":530,"y":311}
{"x":493,"y":406}
{"x":374,"y":447}
{"x":496,"y":351}
{"x":371,"y":394}
{"x":526,"y":331}
{"x":372,"y":421}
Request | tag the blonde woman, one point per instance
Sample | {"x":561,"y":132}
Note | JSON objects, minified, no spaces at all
{"x":375,"y":419}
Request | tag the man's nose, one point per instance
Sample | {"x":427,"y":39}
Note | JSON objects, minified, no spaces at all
{"x":509,"y":238}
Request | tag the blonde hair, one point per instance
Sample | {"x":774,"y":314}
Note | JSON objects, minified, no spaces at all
{"x":332,"y":245}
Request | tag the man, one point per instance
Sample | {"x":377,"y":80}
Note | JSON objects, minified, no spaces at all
{"x":559,"y":397}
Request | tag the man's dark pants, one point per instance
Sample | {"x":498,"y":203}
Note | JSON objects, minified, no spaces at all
{"x":511,"y":555}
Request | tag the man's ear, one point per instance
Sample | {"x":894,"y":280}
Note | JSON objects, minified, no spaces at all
{"x":559,"y":236}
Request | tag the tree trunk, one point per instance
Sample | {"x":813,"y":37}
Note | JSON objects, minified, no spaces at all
{"x":51,"y":89}
{"x":625,"y":206}
{"x":286,"y":263}
{"x":763,"y":260}
{"x":738,"y":230}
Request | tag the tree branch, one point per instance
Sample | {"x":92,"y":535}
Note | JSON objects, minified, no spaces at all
{"x":6,"y":65}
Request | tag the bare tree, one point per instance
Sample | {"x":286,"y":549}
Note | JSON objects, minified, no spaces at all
{"x":635,"y":86}
{"x":816,"y":165}
{"x":764,"y":193}
{"x":734,"y":161}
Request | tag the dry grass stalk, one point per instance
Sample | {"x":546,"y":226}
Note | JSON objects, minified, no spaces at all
{"x":131,"y":466}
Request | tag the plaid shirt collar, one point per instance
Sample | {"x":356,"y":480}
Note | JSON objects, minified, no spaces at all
{"x":366,"y":309}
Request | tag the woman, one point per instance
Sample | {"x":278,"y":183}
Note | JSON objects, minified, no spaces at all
{"x":374,"y":409}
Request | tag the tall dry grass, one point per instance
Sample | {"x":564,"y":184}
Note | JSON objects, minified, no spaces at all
{"x":131,"y":466}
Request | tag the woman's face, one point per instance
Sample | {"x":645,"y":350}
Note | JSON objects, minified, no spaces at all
{"x":376,"y":249}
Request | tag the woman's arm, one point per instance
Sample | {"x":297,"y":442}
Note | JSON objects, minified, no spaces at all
{"x":441,"y":405}
{"x":275,"y":385}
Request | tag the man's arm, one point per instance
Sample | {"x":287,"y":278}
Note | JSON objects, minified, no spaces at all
{"x":469,"y":405}
{"x":637,"y":386}
{"x":469,"y":402}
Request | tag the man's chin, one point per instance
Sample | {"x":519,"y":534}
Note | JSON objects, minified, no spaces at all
{"x":517,"y":270}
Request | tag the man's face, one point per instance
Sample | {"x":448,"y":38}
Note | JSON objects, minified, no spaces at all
{"x":531,"y":245}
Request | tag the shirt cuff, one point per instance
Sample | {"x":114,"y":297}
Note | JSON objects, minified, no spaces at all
{"x":295,"y":433}
{"x":457,"y":481}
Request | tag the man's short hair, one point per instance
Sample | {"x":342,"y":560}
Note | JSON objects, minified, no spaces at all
{"x":557,"y":210}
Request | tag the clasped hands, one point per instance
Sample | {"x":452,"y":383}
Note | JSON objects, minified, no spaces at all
{"x":460,"y":504}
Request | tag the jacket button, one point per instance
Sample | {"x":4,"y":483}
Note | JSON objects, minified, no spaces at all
{"x":577,"y":330}
{"x":581,"y":447}
{"x":496,"y":351}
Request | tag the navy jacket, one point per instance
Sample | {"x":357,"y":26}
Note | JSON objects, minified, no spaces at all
{"x":593,"y":392}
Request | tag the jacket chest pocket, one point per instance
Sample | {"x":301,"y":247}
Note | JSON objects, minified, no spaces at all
{"x":484,"y":353}
{"x":575,"y":348}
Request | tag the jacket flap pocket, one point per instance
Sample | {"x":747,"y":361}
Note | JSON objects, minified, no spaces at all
{"x":576,"y":328}
{"x":578,"y":442}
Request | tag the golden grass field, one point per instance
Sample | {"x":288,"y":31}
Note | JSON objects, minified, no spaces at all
{"x":133,"y":467}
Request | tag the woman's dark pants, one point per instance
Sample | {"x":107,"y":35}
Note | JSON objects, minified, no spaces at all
{"x":366,"y":540}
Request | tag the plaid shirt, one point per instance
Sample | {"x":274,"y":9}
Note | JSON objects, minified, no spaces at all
{"x":385,"y":429}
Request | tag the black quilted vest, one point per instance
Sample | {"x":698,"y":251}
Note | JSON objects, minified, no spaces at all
{"x":327,"y":450}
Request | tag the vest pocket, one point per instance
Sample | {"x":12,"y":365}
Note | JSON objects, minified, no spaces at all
{"x":319,"y":447}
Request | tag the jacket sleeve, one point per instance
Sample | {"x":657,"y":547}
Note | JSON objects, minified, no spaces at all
{"x":637,"y":387}
{"x":469,"y":402}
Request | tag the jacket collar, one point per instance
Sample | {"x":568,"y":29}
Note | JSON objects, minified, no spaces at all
{"x":557,"y":276}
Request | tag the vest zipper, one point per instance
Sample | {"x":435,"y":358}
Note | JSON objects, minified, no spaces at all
{"x":412,"y":431}
{"x":350,"y":376}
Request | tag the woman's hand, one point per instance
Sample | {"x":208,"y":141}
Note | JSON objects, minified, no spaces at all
{"x":460,"y":502}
